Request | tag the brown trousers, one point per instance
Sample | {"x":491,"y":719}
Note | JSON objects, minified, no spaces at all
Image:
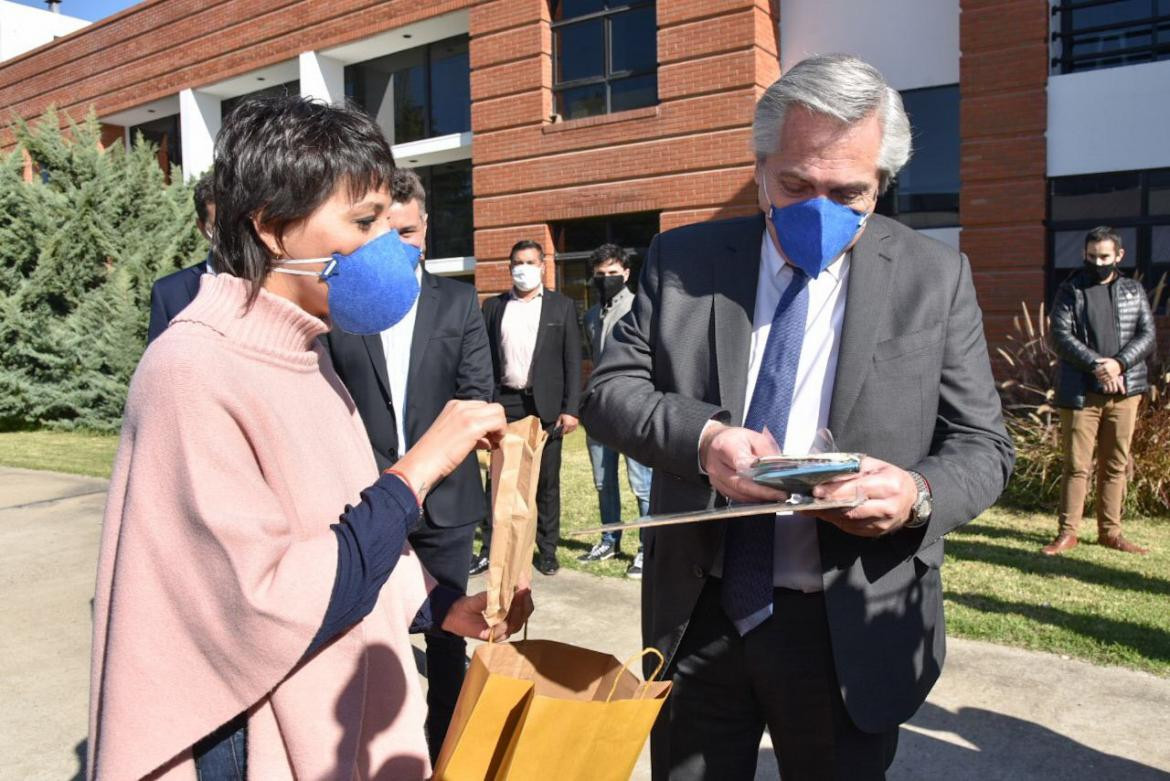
{"x":1105,"y":424}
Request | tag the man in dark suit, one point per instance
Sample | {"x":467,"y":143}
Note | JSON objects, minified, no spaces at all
{"x":829,"y":629}
{"x":536,"y":359}
{"x":400,"y":381}
{"x":170,"y":294}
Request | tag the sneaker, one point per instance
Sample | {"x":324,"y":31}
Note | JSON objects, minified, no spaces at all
{"x":547,"y":565}
{"x":478,"y":564}
{"x":601,"y":551}
{"x":634,"y":571}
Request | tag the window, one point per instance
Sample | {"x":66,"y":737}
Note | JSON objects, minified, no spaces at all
{"x":164,"y":134}
{"x":227,"y":105}
{"x":418,"y":93}
{"x":605,"y":56}
{"x":1136,"y":203}
{"x":449,"y":219}
{"x":1090,"y":34}
{"x":574,"y":241}
{"x":926,"y":192}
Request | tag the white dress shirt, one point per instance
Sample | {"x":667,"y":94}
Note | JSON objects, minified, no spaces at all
{"x":518,"y":329}
{"x":396,"y":343}
{"x":797,"y":559}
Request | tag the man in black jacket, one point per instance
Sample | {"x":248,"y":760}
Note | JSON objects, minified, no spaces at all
{"x":170,"y":294}
{"x":536,"y":358}
{"x":400,"y":381}
{"x":1103,"y":331}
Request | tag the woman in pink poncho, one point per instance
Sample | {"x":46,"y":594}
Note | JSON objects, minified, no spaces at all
{"x":255,"y":588}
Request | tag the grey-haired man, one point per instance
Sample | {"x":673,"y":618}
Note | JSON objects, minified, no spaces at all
{"x":827,"y":630}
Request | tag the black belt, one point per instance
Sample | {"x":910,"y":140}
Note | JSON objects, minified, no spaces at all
{"x":516,"y":391}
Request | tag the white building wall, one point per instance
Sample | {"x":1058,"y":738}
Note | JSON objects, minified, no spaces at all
{"x":23,"y":28}
{"x":914,"y":43}
{"x":322,"y":77}
{"x":199,"y":123}
{"x":1112,"y":119}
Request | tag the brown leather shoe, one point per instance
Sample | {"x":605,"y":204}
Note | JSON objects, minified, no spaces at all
{"x":1062,"y":543}
{"x":1117,"y":542}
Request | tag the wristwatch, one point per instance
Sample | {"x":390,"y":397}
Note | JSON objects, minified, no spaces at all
{"x":923,"y":504}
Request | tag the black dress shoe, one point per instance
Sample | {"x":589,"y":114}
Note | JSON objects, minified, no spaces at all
{"x":478,"y":564}
{"x":547,"y":565}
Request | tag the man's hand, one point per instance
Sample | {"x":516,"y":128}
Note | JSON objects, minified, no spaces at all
{"x":888,"y":495}
{"x":567,"y":422}
{"x":1114,"y":386}
{"x":724,"y":450}
{"x":1107,"y":369}
{"x":465,"y":618}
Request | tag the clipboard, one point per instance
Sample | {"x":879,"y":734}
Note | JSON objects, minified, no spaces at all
{"x":717,"y":514}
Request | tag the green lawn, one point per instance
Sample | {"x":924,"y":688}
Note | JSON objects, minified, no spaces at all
{"x":59,"y":451}
{"x":1093,"y":603}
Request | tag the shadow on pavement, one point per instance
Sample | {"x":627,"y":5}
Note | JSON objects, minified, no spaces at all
{"x":980,"y":744}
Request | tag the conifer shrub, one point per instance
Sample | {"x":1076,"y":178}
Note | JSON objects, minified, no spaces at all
{"x":81,"y":243}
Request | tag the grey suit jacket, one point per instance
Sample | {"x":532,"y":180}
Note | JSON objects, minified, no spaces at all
{"x":913,"y":387}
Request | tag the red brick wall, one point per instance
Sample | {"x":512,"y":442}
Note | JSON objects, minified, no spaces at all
{"x":1003,"y":76}
{"x":159,"y":47}
{"x":689,"y":157}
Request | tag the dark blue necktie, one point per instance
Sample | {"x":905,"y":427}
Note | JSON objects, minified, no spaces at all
{"x":747,"y":550}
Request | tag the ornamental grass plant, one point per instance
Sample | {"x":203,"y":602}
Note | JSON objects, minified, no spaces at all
{"x":1028,"y":368}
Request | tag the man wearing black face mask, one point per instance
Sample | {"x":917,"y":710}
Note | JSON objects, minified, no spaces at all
{"x":610,"y":266}
{"x":1103,"y":330}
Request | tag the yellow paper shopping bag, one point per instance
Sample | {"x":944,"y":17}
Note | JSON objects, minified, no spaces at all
{"x":538,"y":709}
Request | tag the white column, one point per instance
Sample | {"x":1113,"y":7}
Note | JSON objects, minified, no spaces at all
{"x":322,"y":78}
{"x":199,"y":123}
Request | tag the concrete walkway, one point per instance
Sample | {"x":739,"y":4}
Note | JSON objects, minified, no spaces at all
{"x":997,"y":713}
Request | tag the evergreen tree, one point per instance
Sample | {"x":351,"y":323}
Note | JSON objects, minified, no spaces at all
{"x":80,"y":246}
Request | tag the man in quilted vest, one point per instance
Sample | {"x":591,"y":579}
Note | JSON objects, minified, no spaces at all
{"x":1103,"y":331}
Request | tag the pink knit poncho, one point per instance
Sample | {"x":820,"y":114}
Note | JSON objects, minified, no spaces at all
{"x":239,"y":448}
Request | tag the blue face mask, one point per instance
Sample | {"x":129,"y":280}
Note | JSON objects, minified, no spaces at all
{"x":815,"y":232}
{"x":370,"y":289}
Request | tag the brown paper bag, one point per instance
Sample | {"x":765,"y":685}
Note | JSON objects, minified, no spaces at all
{"x":515,"y":475}
{"x":539,"y":709}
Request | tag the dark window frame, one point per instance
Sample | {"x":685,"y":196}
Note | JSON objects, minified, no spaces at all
{"x":888,"y":201}
{"x":613,"y":223}
{"x":426,"y":176}
{"x":1143,"y":223}
{"x":1156,"y":25}
{"x":607,"y":77}
{"x":426,"y":53}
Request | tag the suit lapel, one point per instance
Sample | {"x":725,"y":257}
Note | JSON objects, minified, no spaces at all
{"x":734,"y":308}
{"x":870,"y":272}
{"x":377,"y":355}
{"x":424,"y":324}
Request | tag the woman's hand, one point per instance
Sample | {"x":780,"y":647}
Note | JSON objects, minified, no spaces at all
{"x":461,"y":427}
{"x":465,"y":618}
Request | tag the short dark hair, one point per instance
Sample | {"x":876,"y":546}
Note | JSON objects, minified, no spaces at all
{"x":520,"y":246}
{"x":204,"y":195}
{"x":278,"y":159}
{"x":1104,"y":233}
{"x":405,"y":187}
{"x":606,"y":253}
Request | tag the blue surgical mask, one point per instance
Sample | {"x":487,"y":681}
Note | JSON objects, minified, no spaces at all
{"x":370,"y":289}
{"x":815,"y":232}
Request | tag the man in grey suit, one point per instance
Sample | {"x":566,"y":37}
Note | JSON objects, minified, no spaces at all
{"x":829,"y":629}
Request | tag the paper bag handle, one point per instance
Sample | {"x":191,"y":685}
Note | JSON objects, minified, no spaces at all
{"x":492,"y":639}
{"x":653,"y":676}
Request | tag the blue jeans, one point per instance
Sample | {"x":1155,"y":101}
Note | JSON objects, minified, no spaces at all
{"x":605,"y":480}
{"x":223,"y":755}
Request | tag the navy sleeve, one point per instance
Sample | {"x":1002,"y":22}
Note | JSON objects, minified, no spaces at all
{"x":433,"y":612}
{"x":370,"y":536}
